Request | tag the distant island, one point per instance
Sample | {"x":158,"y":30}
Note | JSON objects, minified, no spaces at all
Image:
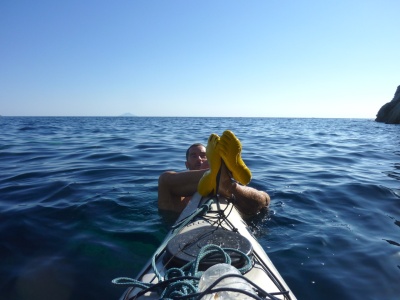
{"x":390,"y":112}
{"x":127,"y":115}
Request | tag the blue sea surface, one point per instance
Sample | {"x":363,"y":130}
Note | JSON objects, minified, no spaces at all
{"x":78,"y":201}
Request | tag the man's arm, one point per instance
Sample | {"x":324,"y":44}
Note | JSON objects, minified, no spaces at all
{"x":174,"y":188}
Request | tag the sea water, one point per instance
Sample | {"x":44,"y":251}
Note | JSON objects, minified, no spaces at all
{"x":78,"y":201}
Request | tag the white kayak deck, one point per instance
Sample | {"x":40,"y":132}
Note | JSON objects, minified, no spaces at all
{"x":223,"y":215}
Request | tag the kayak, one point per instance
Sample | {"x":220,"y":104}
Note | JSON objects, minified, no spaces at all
{"x":209,"y":253}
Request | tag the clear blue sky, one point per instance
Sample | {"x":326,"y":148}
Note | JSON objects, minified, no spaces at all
{"x":266,"y":58}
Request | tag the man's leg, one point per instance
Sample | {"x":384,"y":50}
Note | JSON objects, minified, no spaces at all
{"x":174,"y":186}
{"x":248,"y":200}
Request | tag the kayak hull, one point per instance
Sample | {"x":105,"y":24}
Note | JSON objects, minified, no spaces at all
{"x":223,"y":226}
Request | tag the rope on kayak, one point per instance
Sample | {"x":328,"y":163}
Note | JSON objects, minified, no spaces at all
{"x":201,"y":210}
{"x":180,"y":288}
{"x":184,"y":281}
{"x":212,"y":249}
{"x":176,"y":228}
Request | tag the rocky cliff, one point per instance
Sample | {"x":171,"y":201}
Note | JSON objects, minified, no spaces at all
{"x":390,"y":112}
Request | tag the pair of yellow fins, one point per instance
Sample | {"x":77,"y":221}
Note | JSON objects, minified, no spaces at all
{"x":227,"y":148}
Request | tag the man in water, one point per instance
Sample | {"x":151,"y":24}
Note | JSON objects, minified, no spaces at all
{"x":211,"y":170}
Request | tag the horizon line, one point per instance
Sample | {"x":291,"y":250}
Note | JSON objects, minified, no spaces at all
{"x":149,"y":116}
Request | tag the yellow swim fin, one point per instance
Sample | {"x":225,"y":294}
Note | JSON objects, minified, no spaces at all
{"x":208,"y":183}
{"x":230,"y":150}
